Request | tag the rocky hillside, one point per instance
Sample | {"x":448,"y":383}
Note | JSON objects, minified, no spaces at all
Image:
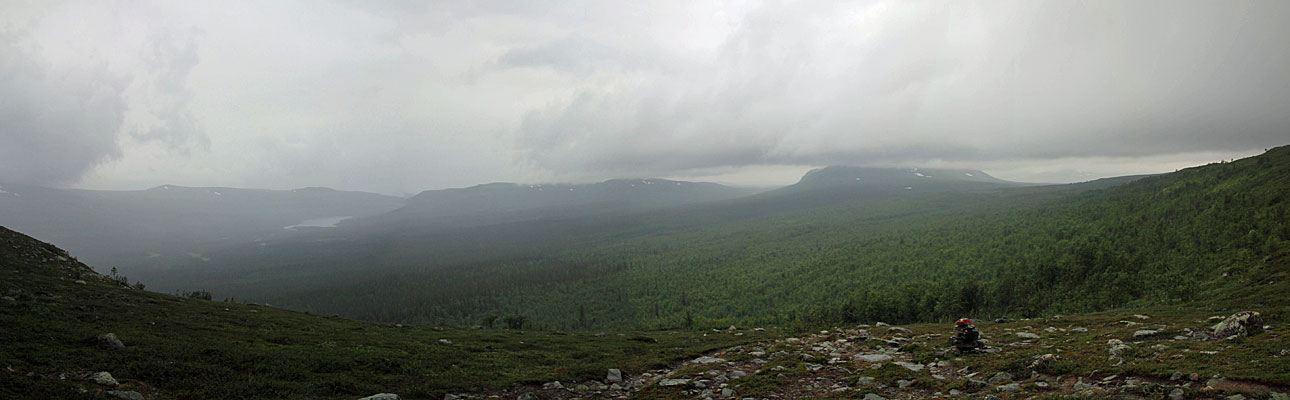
{"x":1169,"y":353}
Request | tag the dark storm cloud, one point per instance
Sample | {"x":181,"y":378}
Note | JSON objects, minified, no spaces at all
{"x":59,"y":121}
{"x":904,"y":83}
{"x":55,"y":124}
{"x":403,"y":96}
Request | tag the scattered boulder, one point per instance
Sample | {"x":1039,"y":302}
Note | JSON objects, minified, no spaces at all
{"x":728,"y":392}
{"x":554,"y":385}
{"x":1040,"y":360}
{"x":527,"y":396}
{"x":1278,"y":396}
{"x":109,"y":341}
{"x":451,"y":397}
{"x":973,"y":384}
{"x":1240,"y":324}
{"x":1011,"y":387}
{"x":614,"y":376}
{"x":382,"y":396}
{"x":709,"y":360}
{"x":103,"y":378}
{"x":674,"y":382}
{"x":872,"y":358}
{"x":910,"y":366}
{"x":1117,"y":348}
{"x":1027,"y":335}
{"x":1000,"y":378}
{"x":1145,"y":333}
{"x":1177,"y":394}
{"x":126,"y":394}
{"x":871,"y":396}
{"x":901,"y":330}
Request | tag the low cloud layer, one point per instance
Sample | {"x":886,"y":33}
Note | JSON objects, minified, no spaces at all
{"x":889,"y":83}
{"x":403,"y":97}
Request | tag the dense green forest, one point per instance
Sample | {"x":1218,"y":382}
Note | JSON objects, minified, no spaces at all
{"x":1014,"y":251}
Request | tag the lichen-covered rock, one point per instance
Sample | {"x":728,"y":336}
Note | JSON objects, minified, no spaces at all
{"x":1117,"y":349}
{"x":1240,"y":324}
{"x":1040,"y":360}
{"x":109,"y":341}
{"x":103,"y":378}
{"x":126,"y":394}
{"x":1000,"y":378}
{"x":872,"y":358}
{"x":910,"y":366}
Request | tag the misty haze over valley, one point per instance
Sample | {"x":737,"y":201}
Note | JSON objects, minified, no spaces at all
{"x":654,"y":200}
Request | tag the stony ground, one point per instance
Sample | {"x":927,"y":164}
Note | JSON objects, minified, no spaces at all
{"x":1107,"y":355}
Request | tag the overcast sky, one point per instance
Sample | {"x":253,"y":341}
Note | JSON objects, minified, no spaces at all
{"x":414,"y":95}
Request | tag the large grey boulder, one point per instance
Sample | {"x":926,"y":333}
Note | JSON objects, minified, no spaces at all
{"x":1000,"y":378}
{"x":103,"y":378}
{"x":1116,"y":351}
{"x":872,"y":358}
{"x":1240,"y":324}
{"x":109,"y":341}
{"x":910,"y":366}
{"x":126,"y":394}
{"x":614,"y":376}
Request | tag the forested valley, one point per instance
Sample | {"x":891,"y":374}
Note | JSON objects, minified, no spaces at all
{"x":1010,"y":251}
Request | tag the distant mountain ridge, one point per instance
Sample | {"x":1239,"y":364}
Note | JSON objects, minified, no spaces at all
{"x":508,"y":202}
{"x":876,"y":180}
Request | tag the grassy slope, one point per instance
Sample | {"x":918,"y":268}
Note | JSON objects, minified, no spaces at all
{"x":189,"y":348}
